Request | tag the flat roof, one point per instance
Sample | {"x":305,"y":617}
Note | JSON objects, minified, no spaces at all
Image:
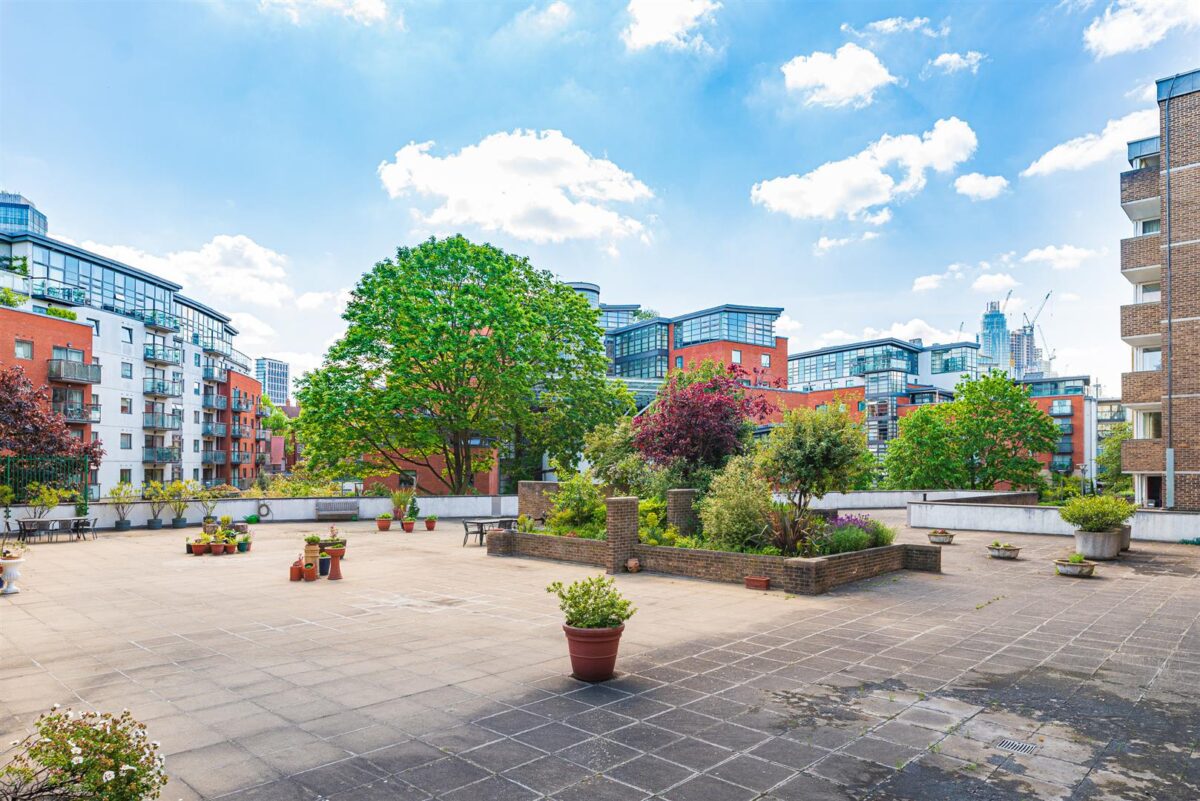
{"x":1183,"y":83}
{"x":1087,"y":379}
{"x":730,"y":307}
{"x":867,"y":343}
{"x":198,"y":306}
{"x":637,"y":324}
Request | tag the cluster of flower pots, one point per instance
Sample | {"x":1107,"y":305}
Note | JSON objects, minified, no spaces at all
{"x":220,"y":537}
{"x":384,"y":522}
{"x":322,"y":558}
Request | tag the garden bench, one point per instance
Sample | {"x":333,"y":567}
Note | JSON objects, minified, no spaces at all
{"x":338,"y":509}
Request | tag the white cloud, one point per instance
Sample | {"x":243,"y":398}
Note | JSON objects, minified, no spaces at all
{"x":670,"y":23}
{"x":542,"y":22}
{"x":1084,"y":151}
{"x":1070,"y":297}
{"x":978,"y":186}
{"x":787,"y":325}
{"x":1059,"y":257}
{"x":994,"y":282}
{"x":826,"y":244}
{"x":1146,"y":93}
{"x":950,"y":63}
{"x":1131,"y":25}
{"x":316,"y":300}
{"x":927,"y":283}
{"x":252,"y":332}
{"x":855,"y":186}
{"x":915,"y":328}
{"x":892,"y":25}
{"x":835,"y":337}
{"x":364,"y":12}
{"x":848,"y":77}
{"x":537,"y":186}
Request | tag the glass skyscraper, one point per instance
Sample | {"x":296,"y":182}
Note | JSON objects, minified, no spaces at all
{"x":994,"y":343}
{"x":275,"y":377}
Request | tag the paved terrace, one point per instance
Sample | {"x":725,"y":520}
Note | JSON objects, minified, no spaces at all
{"x":436,"y":671}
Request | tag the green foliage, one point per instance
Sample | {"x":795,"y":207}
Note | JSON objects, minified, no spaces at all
{"x":1058,"y":490}
{"x":618,"y":465}
{"x":578,"y":507}
{"x":848,"y":538}
{"x":1076,"y":559}
{"x":12,"y":299}
{"x":384,"y":516}
{"x":66,"y":314}
{"x":156,"y":496}
{"x":85,"y":755}
{"x":402,"y":497}
{"x":791,"y":532}
{"x":180,"y":494}
{"x":669,"y":537}
{"x":1097,"y":512}
{"x":123,"y":497}
{"x":302,"y":483}
{"x":592,"y":603}
{"x":1108,"y":461}
{"x":414,"y":511}
{"x":452,"y":342}
{"x":524,"y":524}
{"x":881,"y":534}
{"x":813,"y":452}
{"x":734,"y":511}
{"x":15,"y":264}
{"x":990,"y":433}
{"x":43,"y":497}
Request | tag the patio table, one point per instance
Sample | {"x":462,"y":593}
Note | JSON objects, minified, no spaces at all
{"x":479,"y":526}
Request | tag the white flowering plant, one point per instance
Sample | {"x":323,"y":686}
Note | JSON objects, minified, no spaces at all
{"x":84,"y":755}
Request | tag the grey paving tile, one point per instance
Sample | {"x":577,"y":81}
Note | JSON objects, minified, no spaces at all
{"x":752,"y":772}
{"x":548,"y":774}
{"x":707,"y":788}
{"x":650,"y":773}
{"x":599,"y":788}
{"x":598,"y":754}
{"x":403,"y":756}
{"x":443,"y":776}
{"x":501,"y":755}
{"x":693,"y":753}
{"x":552,"y":737}
{"x":493,"y":788}
{"x":789,"y":753}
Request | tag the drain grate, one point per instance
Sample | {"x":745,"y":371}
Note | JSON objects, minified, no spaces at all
{"x":1017,"y":746}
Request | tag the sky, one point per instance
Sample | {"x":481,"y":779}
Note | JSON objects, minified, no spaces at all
{"x":874,"y":168}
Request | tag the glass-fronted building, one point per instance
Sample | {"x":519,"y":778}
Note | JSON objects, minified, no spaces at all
{"x":275,"y":377}
{"x":18,"y":215}
{"x":994,"y":341}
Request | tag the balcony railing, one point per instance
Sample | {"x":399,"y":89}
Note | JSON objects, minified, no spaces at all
{"x":260,"y":458}
{"x":73,"y":372}
{"x":243,"y":404}
{"x":215,"y":373}
{"x":162,"y":422}
{"x":78,"y":412}
{"x":1060,"y":465}
{"x":215,"y":345}
{"x":209,"y":429}
{"x":214,"y":401}
{"x":878,"y":364}
{"x":212,"y":457}
{"x":262,"y":435}
{"x":162,"y":354}
{"x":15,"y":282}
{"x":1066,"y":428}
{"x":1114,"y":417}
{"x":59,"y":293}
{"x":238,"y":432}
{"x":241,"y":457}
{"x":161,"y":387}
{"x":1064,"y":447}
{"x":157,"y":320}
{"x":1061,"y":411}
{"x":160,"y":455}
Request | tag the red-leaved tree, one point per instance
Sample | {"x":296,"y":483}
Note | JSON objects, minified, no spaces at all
{"x":699,"y":419}
{"x":30,"y":427}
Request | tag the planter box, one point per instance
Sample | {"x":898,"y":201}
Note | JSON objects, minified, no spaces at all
{"x":758,"y":582}
{"x":1100,"y":545}
{"x":1075,"y":569}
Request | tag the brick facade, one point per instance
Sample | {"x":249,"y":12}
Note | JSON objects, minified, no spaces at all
{"x":428,"y":477}
{"x":534,"y":498}
{"x":45,"y":333}
{"x":681,"y":510}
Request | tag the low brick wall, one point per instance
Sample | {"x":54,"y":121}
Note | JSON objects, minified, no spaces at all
{"x":534,"y":498}
{"x":548,"y":546}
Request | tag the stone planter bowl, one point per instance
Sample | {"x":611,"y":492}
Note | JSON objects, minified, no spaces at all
{"x":1099,"y":545}
{"x":1076,"y":569}
{"x":941,"y":539}
{"x":1000,"y":552}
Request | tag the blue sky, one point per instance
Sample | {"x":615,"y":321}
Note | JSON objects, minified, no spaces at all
{"x":872,"y":167}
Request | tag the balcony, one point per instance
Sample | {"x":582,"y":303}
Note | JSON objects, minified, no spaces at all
{"x":1141,"y":258}
{"x":157,"y":320}
{"x":161,"y":354}
{"x":1060,"y":465}
{"x":160,"y":455}
{"x":69,"y":372}
{"x":158,"y":421}
{"x":59,"y":293}
{"x":1066,"y":428}
{"x":262,"y":435}
{"x":241,"y":404}
{"x":216,"y":346}
{"x":84,"y":413}
{"x":238,"y":432}
{"x":1143,"y":387}
{"x":241,"y":457}
{"x":1064,"y":447}
{"x":1141,"y":324}
{"x":261,"y":411}
{"x":1143,"y":456}
{"x":14,"y":282}
{"x":878,"y":364}
{"x":1111,"y":417}
{"x":211,"y":429}
{"x":1061,"y":411}
{"x":214,"y":402}
{"x":260,"y":458}
{"x":214,"y":373}
{"x":241,"y":483}
{"x":162,"y":388}
{"x":1139,"y":193}
{"x":212,"y":457}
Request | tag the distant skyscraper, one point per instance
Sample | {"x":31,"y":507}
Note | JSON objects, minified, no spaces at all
{"x":275,"y":377}
{"x":1026,"y":355}
{"x":993,"y":338}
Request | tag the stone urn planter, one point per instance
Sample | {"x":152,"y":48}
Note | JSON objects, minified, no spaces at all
{"x":1003,"y":551}
{"x":1099,"y":545}
{"x":1065,"y":567}
{"x":939,"y":536}
{"x":10,"y":574}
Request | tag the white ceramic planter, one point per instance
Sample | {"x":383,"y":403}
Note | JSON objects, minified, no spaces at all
{"x":998,"y":552}
{"x":941,"y":539}
{"x":1098,"y":545}
{"x":1076,"y":569}
{"x":10,"y":572}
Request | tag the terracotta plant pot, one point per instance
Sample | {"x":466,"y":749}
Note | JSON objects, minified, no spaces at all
{"x":1002,"y":552}
{"x":231,"y":547}
{"x":384,"y":525}
{"x":199,"y":548}
{"x":429,"y":524}
{"x":216,"y":548}
{"x":758,"y":582}
{"x":409,"y":525}
{"x":249,"y":544}
{"x":633,"y":564}
{"x":310,"y":572}
{"x":1064,"y":567}
{"x":593,"y":652}
{"x":941,"y":539}
{"x":295,"y":572}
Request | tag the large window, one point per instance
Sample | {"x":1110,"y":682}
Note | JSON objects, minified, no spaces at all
{"x":644,"y":339}
{"x":753,"y":328}
{"x":1150,"y":359}
{"x":955,"y":360}
{"x":106,"y":287}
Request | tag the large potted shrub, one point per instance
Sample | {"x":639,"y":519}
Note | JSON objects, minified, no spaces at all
{"x":156,"y":497}
{"x":179,"y":497}
{"x":123,"y":496}
{"x":595,"y":618}
{"x":401,"y":498}
{"x":1097,"y":520}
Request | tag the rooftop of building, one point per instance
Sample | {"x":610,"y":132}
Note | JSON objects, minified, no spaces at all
{"x":78,"y":252}
{"x":1183,"y":83}
{"x":914,"y":346}
{"x":1040,"y":379}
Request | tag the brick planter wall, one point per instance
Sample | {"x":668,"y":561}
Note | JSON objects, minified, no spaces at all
{"x":533,"y":498}
{"x":548,"y":546}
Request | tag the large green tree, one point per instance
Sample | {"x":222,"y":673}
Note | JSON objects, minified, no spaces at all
{"x":813,"y":452}
{"x":990,"y":433}
{"x":449,"y":345}
{"x":1108,"y":461}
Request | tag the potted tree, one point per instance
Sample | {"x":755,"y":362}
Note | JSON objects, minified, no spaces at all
{"x":179,"y":497}
{"x":595,"y":618}
{"x":384,"y":521}
{"x":42,"y":498}
{"x":123,"y":496}
{"x":430,"y":522}
{"x":1074,"y":565}
{"x":400,"y":500}
{"x":156,"y":497}
{"x":1097,"y":520}
{"x":1003,"y":550}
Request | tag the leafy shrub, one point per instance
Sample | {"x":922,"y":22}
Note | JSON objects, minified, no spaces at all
{"x":790,"y":532}
{"x":65,"y":314}
{"x":670,"y":537}
{"x":735,"y":509}
{"x":524,"y":524}
{"x":856,"y":532}
{"x":12,"y":299}
{"x":881,"y":534}
{"x":1076,"y":559}
{"x":1096,"y":512}
{"x":847,"y":539}
{"x":592,"y":603}
{"x":578,"y":507}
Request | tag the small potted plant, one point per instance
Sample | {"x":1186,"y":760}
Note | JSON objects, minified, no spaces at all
{"x":595,"y":618}
{"x":430,"y":522}
{"x":312,"y":548}
{"x":216,"y":545}
{"x":123,"y":496}
{"x":1003,"y":550}
{"x":156,"y":499}
{"x":323,"y":563}
{"x":940,"y":536}
{"x":1074,"y":565}
{"x":230,"y":541}
{"x":243,"y":542}
{"x":400,"y":500}
{"x":310,"y":571}
{"x":409,"y":523}
{"x":1097,"y":520}
{"x":296,"y":571}
{"x":384,"y":521}
{"x":200,"y":545}
{"x":226,"y":522}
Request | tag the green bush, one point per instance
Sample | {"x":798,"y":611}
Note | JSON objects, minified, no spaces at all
{"x":735,"y":509}
{"x":847,"y":539}
{"x":578,"y":506}
{"x":65,"y":314}
{"x":592,"y":603}
{"x":881,"y":534}
{"x":1096,"y":512}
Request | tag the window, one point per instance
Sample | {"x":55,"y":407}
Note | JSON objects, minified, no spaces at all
{"x":195,"y":473}
{"x":1149,"y":425}
{"x":679,"y":362}
{"x":736,"y":357}
{"x":24,"y":349}
{"x":126,"y":369}
{"x":1149,"y":227}
{"x":126,"y":442}
{"x":195,"y":446}
{"x":1061,"y":407}
{"x":1149,"y":293}
{"x":196,"y":359}
{"x":1150,"y":359}
{"x":126,"y":475}
{"x":765,"y":359}
{"x":126,"y":405}
{"x":68,"y":354}
{"x":196,"y":416}
{"x":195,"y":387}
{"x":127,"y":335}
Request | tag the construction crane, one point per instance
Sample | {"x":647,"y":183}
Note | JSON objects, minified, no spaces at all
{"x":1030,"y":322}
{"x":1048,"y":355}
{"x":1004,"y":305}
